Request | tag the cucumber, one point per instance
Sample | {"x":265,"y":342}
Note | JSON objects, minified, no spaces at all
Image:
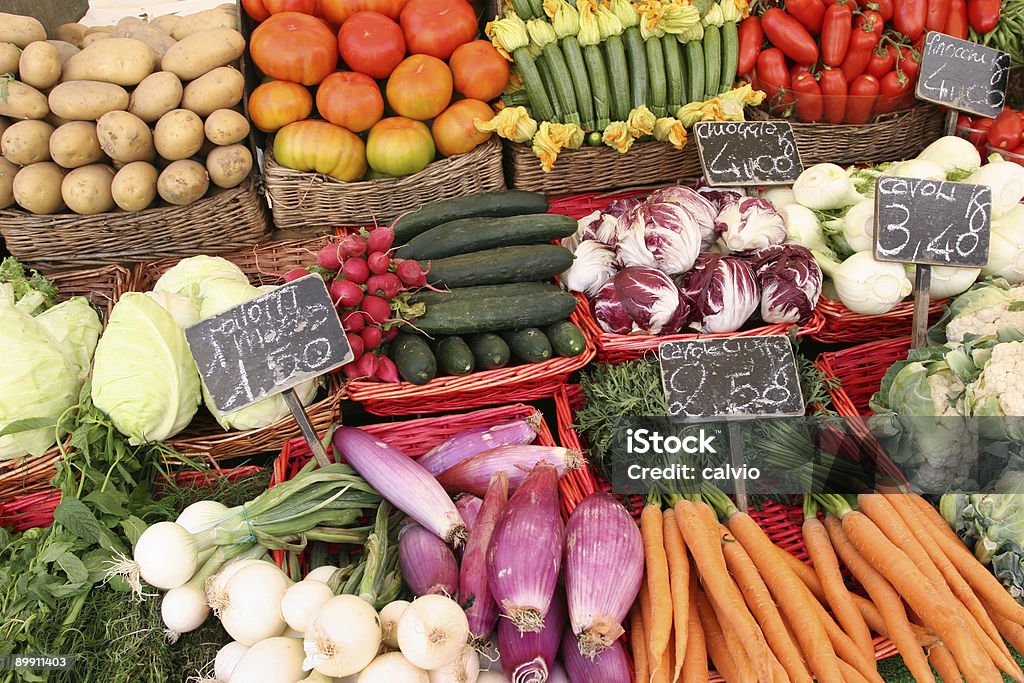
{"x":516,"y":98}
{"x":467,"y":235}
{"x":537,"y":6}
{"x":712,"y":61}
{"x":429,"y":297}
{"x":523,"y":9}
{"x":498,"y":266}
{"x":695,"y":71}
{"x":482,"y":205}
{"x":489,"y":351}
{"x":505,"y":307}
{"x":598,"y":73}
{"x":636,"y":55}
{"x":414,"y":359}
{"x":675,"y":82}
{"x":618,"y":78}
{"x":658,"y":87}
{"x":566,"y":339}
{"x":730,"y":55}
{"x":580,"y":82}
{"x":454,"y":357}
{"x":529,"y":345}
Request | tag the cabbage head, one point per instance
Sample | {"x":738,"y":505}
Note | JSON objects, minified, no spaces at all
{"x":191,"y":276}
{"x":76,"y":327}
{"x":184,"y":310}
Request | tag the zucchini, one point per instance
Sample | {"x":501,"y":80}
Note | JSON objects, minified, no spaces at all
{"x":712,"y":61}
{"x":467,"y":235}
{"x":523,"y":9}
{"x":618,"y":78}
{"x":482,"y":205}
{"x":580,"y":83}
{"x":656,"y":73}
{"x":454,"y":357}
{"x":414,"y":359}
{"x":490,"y":351}
{"x":730,"y":55}
{"x":529,"y":345}
{"x":529,"y":74}
{"x":694,"y":71}
{"x":499,"y":266}
{"x":548,"y":79}
{"x":515,"y":306}
{"x":516,"y":98}
{"x":675,"y":82}
{"x":537,"y":6}
{"x":636,"y":55}
{"x":566,"y":339}
{"x":561,"y":82}
{"x":598,"y":73}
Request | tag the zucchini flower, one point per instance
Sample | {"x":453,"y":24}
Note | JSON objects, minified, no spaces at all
{"x":541,"y":32}
{"x":650,"y":13}
{"x":607,"y":23}
{"x":552,"y":138}
{"x":590,"y":32}
{"x":626,"y":13}
{"x":671,"y":130}
{"x":511,"y":123}
{"x":507,"y":35}
{"x":714,"y":16}
{"x":679,"y":17}
{"x":692,"y":33}
{"x":736,"y":99}
{"x":564,"y":17}
{"x":734,"y":10}
{"x":617,"y":136}
{"x":693,"y":112}
{"x":641,"y":122}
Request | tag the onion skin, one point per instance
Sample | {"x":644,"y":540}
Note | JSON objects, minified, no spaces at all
{"x":469,"y":507}
{"x":558,"y":675}
{"x":472,"y":475}
{"x":600,"y":592}
{"x":483,"y":612}
{"x":610,"y":666}
{"x":530,"y":657}
{"x":428,"y":565}
{"x":525,"y":555}
{"x":472,"y":441}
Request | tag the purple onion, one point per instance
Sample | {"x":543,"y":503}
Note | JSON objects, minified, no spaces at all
{"x":482,"y":612}
{"x":402,"y":482}
{"x":469,"y":507}
{"x":600,"y":592}
{"x":525,"y":555}
{"x":474,"y":475}
{"x":610,"y":666}
{"x":472,"y":441}
{"x":530,"y":657}
{"x":428,"y":565}
{"x":558,"y":675}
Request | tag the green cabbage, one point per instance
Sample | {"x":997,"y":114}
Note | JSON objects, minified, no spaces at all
{"x":191,"y":276}
{"x":76,"y":327}
{"x":184,"y":310}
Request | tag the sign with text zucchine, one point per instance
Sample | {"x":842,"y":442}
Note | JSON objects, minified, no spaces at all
{"x":743,"y":377}
{"x":932,"y":222}
{"x":742,"y":153}
{"x":269,"y":344}
{"x":965,"y":76}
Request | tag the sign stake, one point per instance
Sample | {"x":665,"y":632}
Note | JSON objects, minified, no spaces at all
{"x":922,"y":297}
{"x":306,"y":427}
{"x":736,"y":456}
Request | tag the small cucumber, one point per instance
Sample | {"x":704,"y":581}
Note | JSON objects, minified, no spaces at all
{"x":547,"y":77}
{"x":580,"y":82}
{"x":675,"y":81}
{"x":618,"y":78}
{"x":414,"y":359}
{"x":658,"y":87}
{"x":529,"y":345}
{"x":598,"y":73}
{"x":566,"y":339}
{"x":489,"y":351}
{"x":454,"y":357}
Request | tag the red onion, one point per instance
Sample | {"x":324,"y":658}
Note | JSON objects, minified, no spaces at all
{"x":398,"y":478}
{"x":600,"y":592}
{"x":472,"y":441}
{"x":610,"y":666}
{"x":525,"y":555}
{"x":469,"y":507}
{"x":428,"y":565}
{"x":558,"y":675}
{"x":529,"y":657}
{"x":482,"y":613}
{"x":471,"y":475}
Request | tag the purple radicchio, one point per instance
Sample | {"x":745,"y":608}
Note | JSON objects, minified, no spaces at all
{"x":588,"y":228}
{"x":750,"y":223}
{"x":722,"y":293}
{"x":593,"y":266}
{"x":640,"y":300}
{"x":701,"y":210}
{"x":790,"y":282}
{"x":720,"y":197}
{"x":658,"y":234}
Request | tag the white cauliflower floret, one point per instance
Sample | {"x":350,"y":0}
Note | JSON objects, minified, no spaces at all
{"x":942,"y":384}
{"x":987,"y":320}
{"x":1002,"y":378}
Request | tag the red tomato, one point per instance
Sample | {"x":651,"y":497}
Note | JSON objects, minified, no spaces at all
{"x":338,"y":11}
{"x":255,"y":9}
{"x":810,"y":14}
{"x":790,"y":36}
{"x":909,"y":63}
{"x":275,"y":104}
{"x":979,"y":136}
{"x":797,"y":69}
{"x":860,"y":104}
{"x":833,"y":93}
{"x":835,"y":33}
{"x":882,"y":61}
{"x":909,"y":17}
{"x":454,"y":131}
{"x":938,"y":15}
{"x":420,"y":87}
{"x":983,"y":15}
{"x":892,"y":91}
{"x":437,"y":27}
{"x":809,"y":106}
{"x":279,"y":6}
{"x":322,"y":147}
{"x":371,"y":44}
{"x":772,"y":73}
{"x":871,"y":21}
{"x":886,"y":8}
{"x":751,"y":39}
{"x":479,"y":72}
{"x":956,"y":22}
{"x":294,"y":47}
{"x":399,"y":146}
{"x":351,"y":100}
{"x":863,"y":42}
{"x":1006,"y":130}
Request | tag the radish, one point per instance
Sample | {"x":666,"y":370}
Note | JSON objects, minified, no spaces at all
{"x":371,"y":336}
{"x":387,"y":370}
{"x":345,"y":293}
{"x":381,"y":239}
{"x":390,"y":333}
{"x":379,"y":262}
{"x":386,"y":286}
{"x":330,"y":256}
{"x":294,"y":274}
{"x":355,"y":270}
{"x":351,"y":371}
{"x":367,"y":365}
{"x":411,"y":273}
{"x":376,"y":308}
{"x":354,"y":321}
{"x":353,"y":245}
{"x":357,"y":344}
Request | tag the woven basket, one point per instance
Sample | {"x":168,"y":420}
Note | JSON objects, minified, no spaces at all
{"x":843,"y":326}
{"x":859,"y":370}
{"x":223,"y":221}
{"x":301,"y":200}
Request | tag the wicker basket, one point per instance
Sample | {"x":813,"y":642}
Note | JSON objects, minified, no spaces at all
{"x":223,"y":221}
{"x":859,"y":370}
{"x":843,"y":326}
{"x":302,"y":200}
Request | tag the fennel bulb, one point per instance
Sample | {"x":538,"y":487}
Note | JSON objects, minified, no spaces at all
{"x":917,"y":168}
{"x":802,"y":227}
{"x":947,"y":281}
{"x":1005,"y":178}
{"x":825,"y":187}
{"x":952,"y":153}
{"x":858,"y":226}
{"x":864,"y":285}
{"x":779,"y":196}
{"x":1006,"y":247}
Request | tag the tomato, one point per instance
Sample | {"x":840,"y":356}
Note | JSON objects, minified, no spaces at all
{"x":338,"y":11}
{"x":399,"y":146}
{"x":871,"y":21}
{"x":884,"y":7}
{"x":909,"y":17}
{"x":790,"y":36}
{"x":938,"y":14}
{"x":420,"y":87}
{"x":454,"y":131}
{"x":983,"y":15}
{"x":279,"y":6}
{"x":275,"y":104}
{"x":371,"y":44}
{"x":797,"y":69}
{"x":255,"y":9}
{"x":437,"y":27}
{"x":835,"y":33}
{"x":351,"y":100}
{"x":833,"y":95}
{"x":751,"y":39}
{"x":863,"y":42}
{"x":809,"y":106}
{"x":979,"y":136}
{"x":860,"y":104}
{"x":909,"y":63}
{"x":294,"y":47}
{"x":479,"y":72}
{"x":322,"y":147}
{"x":882,"y":61}
{"x":956,"y":22}
{"x":810,"y":14}
{"x":1006,"y":130}
{"x":892,"y":92}
{"x":772,"y":74}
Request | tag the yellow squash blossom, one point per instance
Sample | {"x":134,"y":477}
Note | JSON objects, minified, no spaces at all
{"x":626,"y":12}
{"x":650,"y":12}
{"x":692,"y":33}
{"x":564,"y":17}
{"x":541,"y":32}
{"x":607,"y":23}
{"x":641,"y":121}
{"x":671,"y":130}
{"x":714,"y":17}
{"x":691,"y":113}
{"x":511,"y":123}
{"x":552,"y":138}
{"x":507,"y":35}
{"x":679,"y":17}
{"x":617,"y":136}
{"x":590,"y":32}
{"x":736,"y":99}
{"x":734,"y":10}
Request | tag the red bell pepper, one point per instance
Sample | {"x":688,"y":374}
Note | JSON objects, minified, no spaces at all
{"x":833,"y":92}
{"x":751,"y":39}
{"x":909,"y":17}
{"x":983,"y":15}
{"x":882,"y":61}
{"x":956,"y":22}
{"x":860,"y":104}
{"x":835,"y":33}
{"x":790,"y":36}
{"x":809,"y":105}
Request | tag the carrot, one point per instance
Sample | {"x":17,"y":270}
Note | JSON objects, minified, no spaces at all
{"x":659,"y":626}
{"x":638,"y":642}
{"x":944,"y":664}
{"x":846,"y":648}
{"x":930,"y":513}
{"x":722,"y":657}
{"x":706,"y":547}
{"x":739,"y":656}
{"x":1012,"y":631}
{"x":695,"y":663}
{"x":679,"y":583}
{"x":850,"y":674}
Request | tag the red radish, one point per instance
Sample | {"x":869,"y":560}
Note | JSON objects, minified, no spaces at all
{"x":376,"y":308}
{"x":380,"y":239}
{"x":367,"y":365}
{"x":371,"y":336}
{"x":353,"y":245}
{"x":350,"y":370}
{"x":354,"y":321}
{"x":379,"y":262}
{"x":390,"y":333}
{"x":356,"y":342}
{"x":345,"y":293}
{"x":411,"y":273}
{"x":294,"y":274}
{"x":330,"y":256}
{"x":387,"y":370}
{"x":356,"y":270}
{"x":386,"y":286}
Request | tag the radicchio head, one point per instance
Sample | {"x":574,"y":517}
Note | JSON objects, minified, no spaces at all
{"x":701,"y":210}
{"x":751,"y":223}
{"x":721,"y":291}
{"x":720,"y":197}
{"x":658,"y":235}
{"x":640,"y":300}
{"x":790,"y":281}
{"x":593,"y":266}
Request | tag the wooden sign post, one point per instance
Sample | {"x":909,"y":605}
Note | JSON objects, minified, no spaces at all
{"x":734,"y":379}
{"x":270,"y":345}
{"x":746,"y":153}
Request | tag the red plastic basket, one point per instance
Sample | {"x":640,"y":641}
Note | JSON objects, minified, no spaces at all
{"x":843,"y":326}
{"x":859,"y":370}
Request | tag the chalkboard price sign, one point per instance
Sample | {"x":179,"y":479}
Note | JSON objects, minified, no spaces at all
{"x":741,"y":153}
{"x":269,"y":344}
{"x":962,"y":75}
{"x":744,"y":377}
{"x":932,"y":223}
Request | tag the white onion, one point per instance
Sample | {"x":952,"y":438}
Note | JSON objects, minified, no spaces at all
{"x":227,"y":658}
{"x":465,"y":669}
{"x":167,"y":555}
{"x":215,"y":587}
{"x":201,"y":515}
{"x":343,"y":637}
{"x":432,"y":631}
{"x":252,"y":609}
{"x":273,"y":660}
{"x":302,"y":601}
{"x":317,"y":677}
{"x":389,"y":616}
{"x":183,"y":609}
{"x":322,"y":574}
{"x":391,"y":668}
{"x":292,"y":633}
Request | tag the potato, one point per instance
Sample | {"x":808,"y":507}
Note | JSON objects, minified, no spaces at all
{"x":230,"y":165}
{"x":56,"y":121}
{"x":226,"y":127}
{"x":125,"y":137}
{"x":222,"y":88}
{"x":87,"y":190}
{"x":10,"y":55}
{"x":178,"y":134}
{"x":37,"y":188}
{"x":87,"y":100}
{"x":183,"y":182}
{"x":92,"y":30}
{"x":203,"y":52}
{"x":4,"y":124}
{"x":158,"y":41}
{"x":95,"y":38}
{"x":158,"y":94}
{"x":39,"y":65}
{"x":23,"y":102}
{"x":7,"y":173}
{"x":204,"y":21}
{"x":122,"y":61}
{"x":72,"y":33}
{"x":20,"y":30}
{"x":166,"y":23}
{"x":27,"y":142}
{"x":65,"y":50}
{"x":75,"y":144}
{"x":134,"y":186}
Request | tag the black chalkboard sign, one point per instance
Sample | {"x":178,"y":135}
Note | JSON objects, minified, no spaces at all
{"x":962,"y":75}
{"x":742,"y":377}
{"x":268,"y":344}
{"x":931,"y":222}
{"x":742,"y":153}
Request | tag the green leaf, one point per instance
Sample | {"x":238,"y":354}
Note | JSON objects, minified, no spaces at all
{"x":67,"y":590}
{"x":133,"y":528}
{"x":53,"y":551}
{"x":76,"y":517}
{"x":110,"y":502}
{"x":27,"y":424}
{"x":73,"y":567}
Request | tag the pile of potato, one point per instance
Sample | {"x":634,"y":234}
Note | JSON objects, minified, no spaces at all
{"x":110,"y":117}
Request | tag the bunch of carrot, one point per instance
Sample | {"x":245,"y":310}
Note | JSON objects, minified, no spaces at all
{"x":724,"y":592}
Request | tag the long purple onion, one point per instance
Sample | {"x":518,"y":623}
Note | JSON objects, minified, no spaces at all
{"x":525,"y":555}
{"x":428,"y":565}
{"x":473,"y":474}
{"x":469,"y":507}
{"x":530,"y":657}
{"x":558,"y":675}
{"x":402,"y":482}
{"x":599,"y":591}
{"x":482,"y":612}
{"x":472,"y":441}
{"x":610,"y":666}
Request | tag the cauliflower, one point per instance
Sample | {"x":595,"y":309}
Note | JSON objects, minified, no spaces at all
{"x":999,"y":393}
{"x":985,"y":310}
{"x":943,"y":385}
